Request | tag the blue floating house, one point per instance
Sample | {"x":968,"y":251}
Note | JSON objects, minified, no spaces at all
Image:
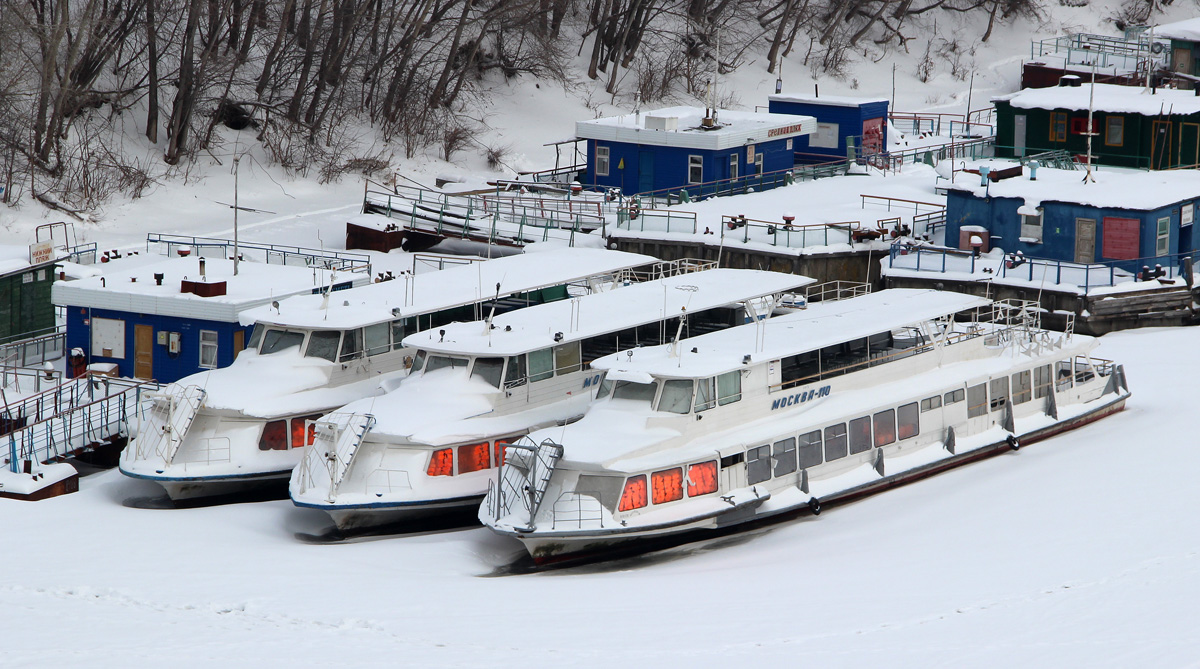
{"x":842,"y":122}
{"x":168,"y":319}
{"x":678,"y":147}
{"x":1132,"y":218}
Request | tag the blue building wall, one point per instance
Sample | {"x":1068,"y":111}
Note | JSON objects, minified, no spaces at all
{"x":649,"y":167}
{"x":999,"y":216}
{"x":167,"y":367}
{"x":849,"y":119}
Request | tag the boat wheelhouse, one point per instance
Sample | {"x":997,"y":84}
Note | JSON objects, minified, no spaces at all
{"x":431,"y":443}
{"x":825,"y":406}
{"x":224,"y":430}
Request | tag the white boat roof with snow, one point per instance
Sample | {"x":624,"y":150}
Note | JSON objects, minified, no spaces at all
{"x":821,"y":324}
{"x":445,"y":289}
{"x":536,"y":327}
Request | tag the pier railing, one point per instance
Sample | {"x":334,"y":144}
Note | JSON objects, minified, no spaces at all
{"x":1043,"y":270}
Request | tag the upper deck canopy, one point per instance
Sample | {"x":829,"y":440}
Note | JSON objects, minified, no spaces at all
{"x":821,"y":325}
{"x":446,"y":289}
{"x":534,"y":328}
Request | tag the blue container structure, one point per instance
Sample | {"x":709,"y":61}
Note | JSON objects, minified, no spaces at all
{"x":842,"y":122}
{"x":1129,"y":218}
{"x":170,"y":319}
{"x":681,"y":146}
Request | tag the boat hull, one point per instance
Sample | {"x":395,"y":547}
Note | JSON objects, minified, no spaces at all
{"x":217,"y":486}
{"x":372,"y":516}
{"x":548,"y":548}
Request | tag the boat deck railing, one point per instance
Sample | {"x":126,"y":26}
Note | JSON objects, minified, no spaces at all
{"x":274,"y":254}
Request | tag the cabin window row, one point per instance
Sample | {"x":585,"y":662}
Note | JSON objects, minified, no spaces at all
{"x":334,"y":345}
{"x":680,"y":396}
{"x":469,"y":457}
{"x":288,"y":433}
{"x":834,"y":442}
{"x":1022,"y":387}
{"x":667,"y":485}
{"x":851,"y":356}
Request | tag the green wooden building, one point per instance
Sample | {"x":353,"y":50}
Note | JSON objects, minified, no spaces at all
{"x":25,"y":306}
{"x":1185,"y":50}
{"x":1131,"y":126}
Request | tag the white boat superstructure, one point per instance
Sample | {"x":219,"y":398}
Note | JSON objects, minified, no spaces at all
{"x":431,"y":443}
{"x":223,"y":430}
{"x":839,"y":401}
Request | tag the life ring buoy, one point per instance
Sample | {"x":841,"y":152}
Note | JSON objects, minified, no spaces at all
{"x":1157,"y":47}
{"x":814,"y":505}
{"x":1013,"y":442}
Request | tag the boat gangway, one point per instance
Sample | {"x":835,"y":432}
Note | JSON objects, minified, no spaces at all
{"x":69,"y":418}
{"x":493,"y":219}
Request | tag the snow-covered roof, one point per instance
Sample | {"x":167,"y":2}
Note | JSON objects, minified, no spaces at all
{"x":682,"y":128}
{"x":445,"y":289}
{"x":15,"y":257}
{"x":1109,"y":98}
{"x":132,"y":287}
{"x":1188,"y":29}
{"x":827,"y":100}
{"x":822,"y":324}
{"x":534,"y":328}
{"x":1118,"y":189}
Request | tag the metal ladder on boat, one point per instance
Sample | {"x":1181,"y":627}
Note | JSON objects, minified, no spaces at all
{"x":1060,"y":159}
{"x":524,"y":479}
{"x":171,"y":414}
{"x":337,"y":439}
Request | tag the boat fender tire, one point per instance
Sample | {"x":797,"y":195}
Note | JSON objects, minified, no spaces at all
{"x":1013,"y":442}
{"x":814,"y":505}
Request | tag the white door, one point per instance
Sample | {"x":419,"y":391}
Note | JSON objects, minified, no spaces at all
{"x":1019,"y":135}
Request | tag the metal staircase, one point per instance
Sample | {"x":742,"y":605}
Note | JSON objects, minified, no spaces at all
{"x":524,"y":479}
{"x":337,"y":439}
{"x":1059,"y":159}
{"x":165,"y":424}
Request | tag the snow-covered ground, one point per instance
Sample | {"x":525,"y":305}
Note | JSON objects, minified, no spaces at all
{"x":1077,"y":551}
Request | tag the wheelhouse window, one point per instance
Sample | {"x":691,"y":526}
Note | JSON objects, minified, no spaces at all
{"x":323,"y":344}
{"x":418,"y":362}
{"x":729,"y":387}
{"x":541,"y":364}
{"x":208,"y":349}
{"x":695,"y":169}
{"x":488,"y":370}
{"x":566,"y":358}
{"x":835,"y":442}
{"x":275,"y":340}
{"x":676,"y":396}
{"x":515,"y":376}
{"x":377,"y":338}
{"x":255,"y":337}
{"x":352,"y":345}
{"x":602,"y":158}
{"x":704,"y":395}
{"x":436,"y":362}
{"x":633,"y":391}
{"x":809,"y":449}
{"x":860,"y":434}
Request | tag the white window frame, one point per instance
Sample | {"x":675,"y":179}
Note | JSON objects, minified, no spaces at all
{"x":758,"y":163}
{"x":603,"y":160}
{"x":1162,"y":241}
{"x":1031,"y":226}
{"x":733,"y":166}
{"x":206,"y":346}
{"x":695,"y":162}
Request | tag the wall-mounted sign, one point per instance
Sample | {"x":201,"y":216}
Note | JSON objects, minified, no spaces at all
{"x":40,"y":253}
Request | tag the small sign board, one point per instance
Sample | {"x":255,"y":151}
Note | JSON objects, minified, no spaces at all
{"x":41,"y":252}
{"x":1186,"y":214}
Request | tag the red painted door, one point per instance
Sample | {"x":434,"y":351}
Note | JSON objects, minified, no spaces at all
{"x":872,"y":136}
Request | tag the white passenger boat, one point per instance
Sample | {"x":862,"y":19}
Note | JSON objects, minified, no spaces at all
{"x":837,"y":402}
{"x":224,"y":430}
{"x":431,"y":443}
